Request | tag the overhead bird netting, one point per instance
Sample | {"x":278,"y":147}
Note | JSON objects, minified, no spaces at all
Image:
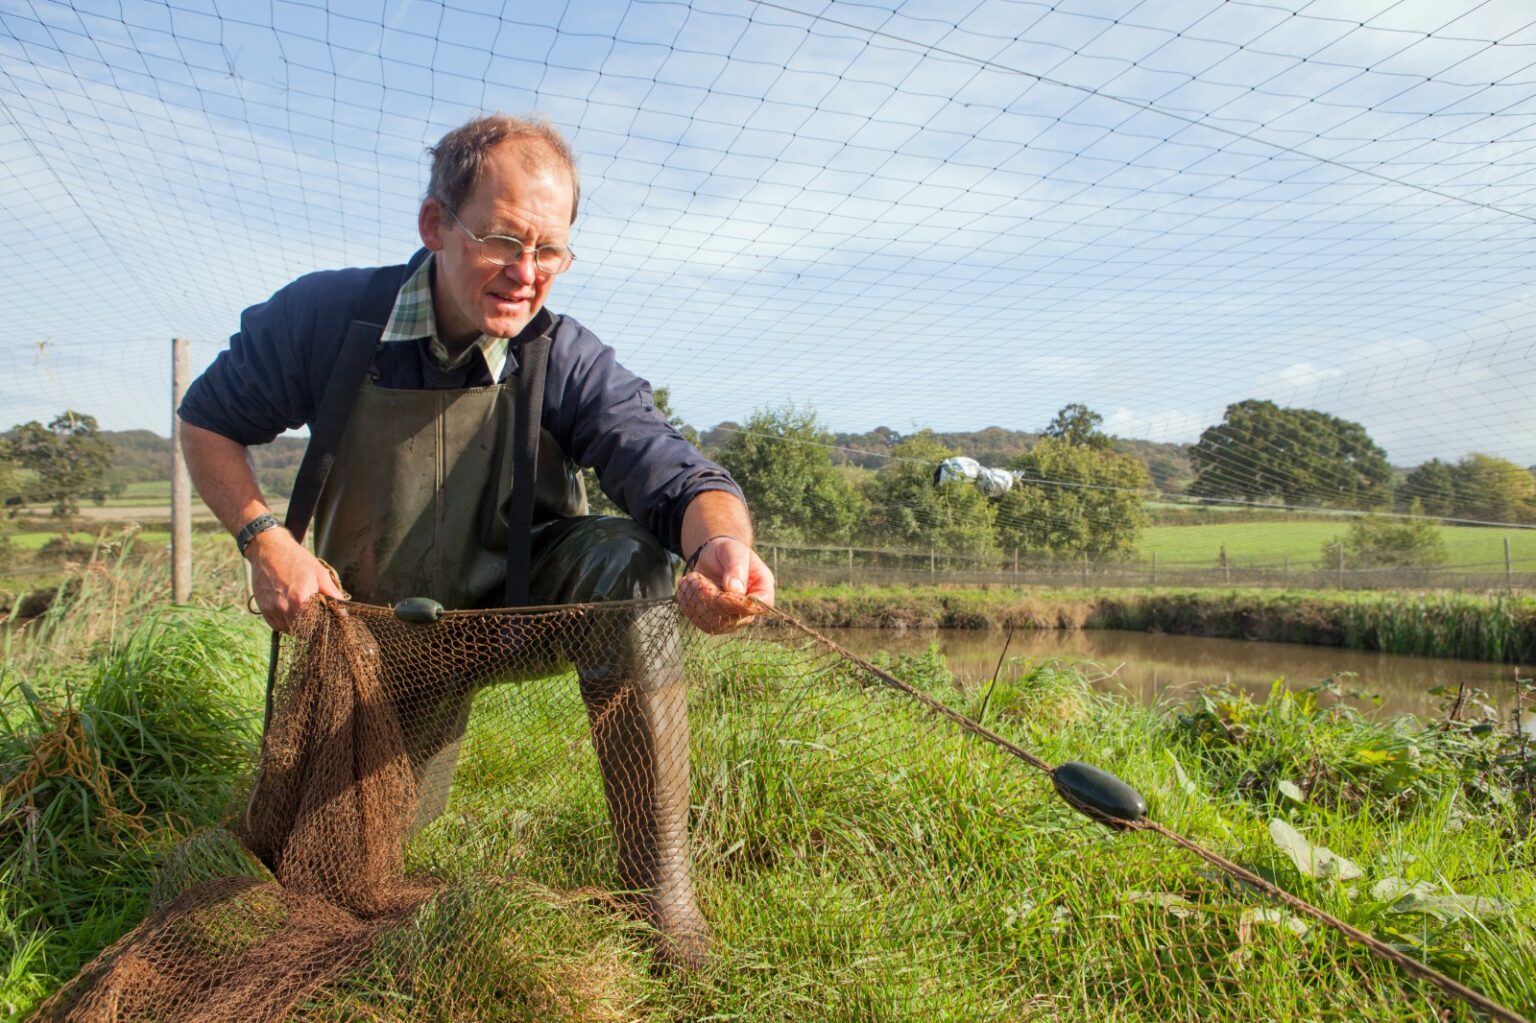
{"x":607,"y":797}
{"x":1304,"y":226}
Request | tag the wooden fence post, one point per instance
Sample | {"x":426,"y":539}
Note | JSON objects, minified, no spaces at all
{"x":181,"y":482}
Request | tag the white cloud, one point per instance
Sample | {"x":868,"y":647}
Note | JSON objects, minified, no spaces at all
{"x":1179,"y":426}
{"x":1300,"y":376}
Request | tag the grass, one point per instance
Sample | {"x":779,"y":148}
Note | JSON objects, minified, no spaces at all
{"x":1270,"y":543}
{"x":147,"y":490}
{"x":864,"y":861}
{"x":131,"y":560}
{"x":36,"y":540}
{"x":859,"y":858}
{"x":106,"y":762}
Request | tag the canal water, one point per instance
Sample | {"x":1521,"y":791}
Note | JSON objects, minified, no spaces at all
{"x":1155,"y":666}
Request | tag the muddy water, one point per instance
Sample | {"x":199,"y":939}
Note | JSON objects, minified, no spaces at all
{"x":1150,"y":666}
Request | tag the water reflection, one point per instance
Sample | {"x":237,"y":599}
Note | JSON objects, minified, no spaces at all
{"x":1150,"y":666}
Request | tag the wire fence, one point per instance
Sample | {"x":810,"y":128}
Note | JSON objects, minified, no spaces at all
{"x":824,"y":564}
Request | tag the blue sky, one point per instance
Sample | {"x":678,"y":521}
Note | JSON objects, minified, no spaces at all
{"x":918,"y":214}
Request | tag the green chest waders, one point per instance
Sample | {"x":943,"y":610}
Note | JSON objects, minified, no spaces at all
{"x":413,"y":494}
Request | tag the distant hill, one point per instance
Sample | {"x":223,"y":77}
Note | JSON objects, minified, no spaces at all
{"x":144,"y":455}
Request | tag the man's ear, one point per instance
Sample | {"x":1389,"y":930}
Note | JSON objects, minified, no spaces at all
{"x":432,"y":224}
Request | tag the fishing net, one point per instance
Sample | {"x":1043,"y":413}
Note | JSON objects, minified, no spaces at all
{"x":578,"y":801}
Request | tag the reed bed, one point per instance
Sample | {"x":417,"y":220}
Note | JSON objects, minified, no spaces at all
{"x":1486,"y":627}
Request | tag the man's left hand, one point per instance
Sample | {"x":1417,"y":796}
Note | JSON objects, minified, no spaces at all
{"x":721,"y":593}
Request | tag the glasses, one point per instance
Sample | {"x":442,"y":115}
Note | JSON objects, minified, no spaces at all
{"x":504,"y":250}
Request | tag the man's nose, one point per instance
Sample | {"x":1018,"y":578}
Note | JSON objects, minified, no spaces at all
{"x":524,"y":271}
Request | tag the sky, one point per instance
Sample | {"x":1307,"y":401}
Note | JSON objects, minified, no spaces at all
{"x":943,"y":214}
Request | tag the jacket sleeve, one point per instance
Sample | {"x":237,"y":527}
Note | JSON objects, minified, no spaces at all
{"x":605,"y":418}
{"x":273,"y":373}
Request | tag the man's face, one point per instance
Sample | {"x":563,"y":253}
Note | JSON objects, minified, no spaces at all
{"x":530,"y":202}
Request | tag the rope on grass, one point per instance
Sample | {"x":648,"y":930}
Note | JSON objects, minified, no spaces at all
{"x":1375,"y":945}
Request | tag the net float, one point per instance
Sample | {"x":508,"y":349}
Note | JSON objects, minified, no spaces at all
{"x":1096,"y":793}
{"x":418,"y":610}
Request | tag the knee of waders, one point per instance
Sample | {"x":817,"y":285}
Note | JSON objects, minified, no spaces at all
{"x":602,"y":558}
{"x":613,"y":559}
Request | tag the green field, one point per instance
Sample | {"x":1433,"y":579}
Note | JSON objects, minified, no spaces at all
{"x":149,"y":490}
{"x":1270,"y":543}
{"x":37,"y":540}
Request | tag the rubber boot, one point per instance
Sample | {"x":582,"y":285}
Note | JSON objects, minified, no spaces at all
{"x":631,"y":670}
{"x":640,"y":732}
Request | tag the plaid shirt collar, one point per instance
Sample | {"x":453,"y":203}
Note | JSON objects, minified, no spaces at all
{"x":412,"y":319}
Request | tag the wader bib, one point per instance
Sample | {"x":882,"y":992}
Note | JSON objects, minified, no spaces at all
{"x":418,"y":501}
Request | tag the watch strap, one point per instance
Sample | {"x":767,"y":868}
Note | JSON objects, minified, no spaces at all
{"x":254,"y":528}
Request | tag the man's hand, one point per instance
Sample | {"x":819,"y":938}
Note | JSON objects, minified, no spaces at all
{"x":284,"y":575}
{"x":719,"y":594}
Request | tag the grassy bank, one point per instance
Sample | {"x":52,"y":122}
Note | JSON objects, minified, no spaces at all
{"x":1489,"y":628}
{"x":859,"y":859}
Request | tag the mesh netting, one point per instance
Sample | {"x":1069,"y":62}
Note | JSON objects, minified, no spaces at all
{"x":580,"y":789}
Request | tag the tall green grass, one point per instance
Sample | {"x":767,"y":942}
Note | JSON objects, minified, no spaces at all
{"x":103,"y":764}
{"x":862,"y":860}
{"x":858,"y":857}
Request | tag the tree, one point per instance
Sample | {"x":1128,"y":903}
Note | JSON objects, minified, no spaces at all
{"x":1379,"y":541}
{"x":1078,"y":425}
{"x":1301,"y":456}
{"x":662,"y":397}
{"x":1493,"y":489}
{"x":12,"y":486}
{"x":908,"y":510}
{"x":1430,"y":485}
{"x":67,"y":460}
{"x":782,"y":461}
{"x":1088,"y":501}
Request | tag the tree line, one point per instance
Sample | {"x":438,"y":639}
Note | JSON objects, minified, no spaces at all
{"x":1078,"y":491}
{"x":1263,"y":453}
{"x":1074,"y":494}
{"x":1079,"y":494}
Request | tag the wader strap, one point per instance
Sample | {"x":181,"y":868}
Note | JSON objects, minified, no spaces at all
{"x":533,"y":360}
{"x":331,"y":418}
{"x":340,"y":393}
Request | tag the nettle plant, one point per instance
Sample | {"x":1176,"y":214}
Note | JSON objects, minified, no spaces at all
{"x":1316,"y":740}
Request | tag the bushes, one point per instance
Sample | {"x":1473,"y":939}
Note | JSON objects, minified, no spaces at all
{"x":1376,"y":541}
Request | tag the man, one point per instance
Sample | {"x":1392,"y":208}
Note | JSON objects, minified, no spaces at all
{"x":417,"y":503}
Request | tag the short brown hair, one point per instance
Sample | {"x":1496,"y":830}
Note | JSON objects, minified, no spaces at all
{"x":459,"y":156}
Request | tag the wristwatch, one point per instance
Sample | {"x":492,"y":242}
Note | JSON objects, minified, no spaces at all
{"x":248,"y":532}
